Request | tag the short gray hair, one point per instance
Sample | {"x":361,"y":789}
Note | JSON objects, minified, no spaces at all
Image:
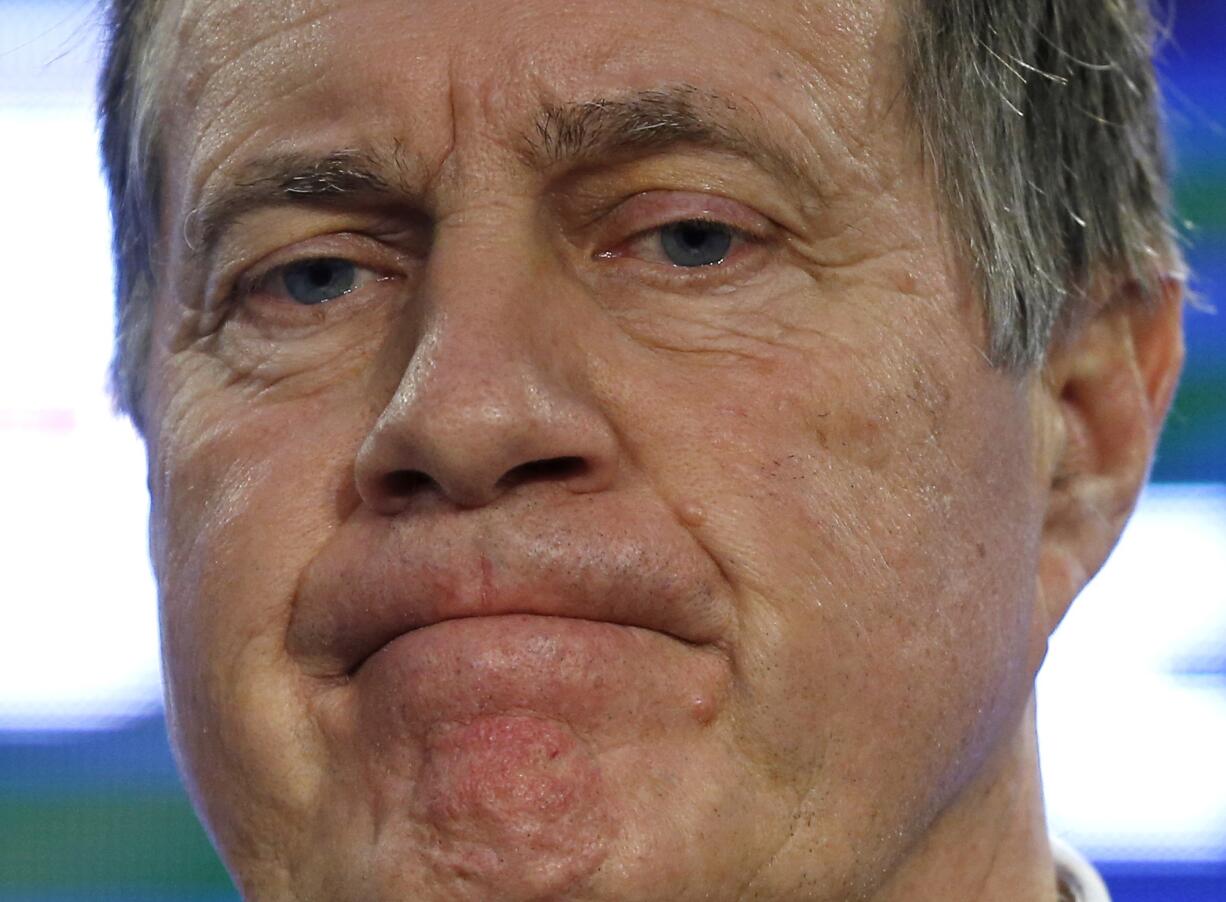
{"x":1040,"y":118}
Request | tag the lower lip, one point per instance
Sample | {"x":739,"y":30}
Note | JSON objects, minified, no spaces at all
{"x":589,"y":674}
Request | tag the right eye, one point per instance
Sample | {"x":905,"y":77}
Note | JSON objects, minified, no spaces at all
{"x":315,"y":279}
{"x":312,"y":281}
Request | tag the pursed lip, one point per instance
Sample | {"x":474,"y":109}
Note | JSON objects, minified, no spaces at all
{"x":380,"y":579}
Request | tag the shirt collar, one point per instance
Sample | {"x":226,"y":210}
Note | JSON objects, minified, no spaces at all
{"x":1076,"y":877}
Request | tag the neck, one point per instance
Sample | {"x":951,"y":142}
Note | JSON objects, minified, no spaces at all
{"x":991,"y":843}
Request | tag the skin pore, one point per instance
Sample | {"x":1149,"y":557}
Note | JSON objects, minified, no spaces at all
{"x":506,"y":552}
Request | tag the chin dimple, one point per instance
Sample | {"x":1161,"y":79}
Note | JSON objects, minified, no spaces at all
{"x":513,"y":800}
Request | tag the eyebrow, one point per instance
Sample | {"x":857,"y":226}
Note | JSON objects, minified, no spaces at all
{"x":648,"y":121}
{"x":575,"y":134}
{"x":347,"y":174}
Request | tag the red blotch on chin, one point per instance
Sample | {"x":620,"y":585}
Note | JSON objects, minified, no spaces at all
{"x":515,"y":800}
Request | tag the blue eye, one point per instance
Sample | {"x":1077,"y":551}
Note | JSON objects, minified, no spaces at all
{"x":696,"y":242}
{"x":319,"y":280}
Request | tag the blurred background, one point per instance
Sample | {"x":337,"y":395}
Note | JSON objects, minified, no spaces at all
{"x":1132,"y":700}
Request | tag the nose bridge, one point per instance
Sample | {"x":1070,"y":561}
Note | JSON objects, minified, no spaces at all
{"x":471,"y":373}
{"x":484,"y":268}
{"x":485,"y":351}
{"x":492,"y":398}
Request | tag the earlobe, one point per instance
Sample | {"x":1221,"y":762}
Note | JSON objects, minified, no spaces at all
{"x":1105,"y":391}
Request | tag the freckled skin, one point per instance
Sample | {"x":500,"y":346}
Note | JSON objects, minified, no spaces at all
{"x":768,"y":631}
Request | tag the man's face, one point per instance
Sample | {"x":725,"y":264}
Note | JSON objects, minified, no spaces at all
{"x":576,"y":471}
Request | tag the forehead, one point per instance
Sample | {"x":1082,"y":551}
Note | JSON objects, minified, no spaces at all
{"x":837,"y":32}
{"x":231,"y":71}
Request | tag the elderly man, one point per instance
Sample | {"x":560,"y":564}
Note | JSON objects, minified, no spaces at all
{"x":632,"y":450}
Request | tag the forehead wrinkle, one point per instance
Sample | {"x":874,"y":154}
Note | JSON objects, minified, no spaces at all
{"x":222,"y":67}
{"x":208,"y":24}
{"x":865,"y":38}
{"x":188,"y":51}
{"x":209,"y":61}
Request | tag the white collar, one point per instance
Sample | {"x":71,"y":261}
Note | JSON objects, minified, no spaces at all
{"x":1079,"y":882}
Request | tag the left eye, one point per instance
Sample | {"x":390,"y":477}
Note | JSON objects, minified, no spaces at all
{"x":695,"y":242}
{"x":316,"y":281}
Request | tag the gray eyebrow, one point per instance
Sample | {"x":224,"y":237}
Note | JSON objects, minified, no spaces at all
{"x":295,"y":177}
{"x":646,"y":121}
{"x":575,"y":134}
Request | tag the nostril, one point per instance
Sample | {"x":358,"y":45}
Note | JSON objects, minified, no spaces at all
{"x":402,"y":483}
{"x":554,"y":469}
{"x":395,"y":491}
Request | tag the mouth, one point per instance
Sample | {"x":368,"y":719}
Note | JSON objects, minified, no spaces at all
{"x":509,"y":627}
{"x":380,"y":584}
{"x":597,"y":676}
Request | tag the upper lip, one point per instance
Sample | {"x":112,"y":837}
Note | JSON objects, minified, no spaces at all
{"x":379,"y":579}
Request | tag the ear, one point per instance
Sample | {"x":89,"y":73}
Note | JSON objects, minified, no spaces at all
{"x":1104,"y":393}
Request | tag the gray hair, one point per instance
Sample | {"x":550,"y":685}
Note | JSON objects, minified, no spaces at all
{"x":1040,"y":119}
{"x":131,"y":162}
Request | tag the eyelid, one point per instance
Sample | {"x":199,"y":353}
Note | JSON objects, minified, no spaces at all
{"x":238,"y":281}
{"x":652,"y":210}
{"x":638,"y":221}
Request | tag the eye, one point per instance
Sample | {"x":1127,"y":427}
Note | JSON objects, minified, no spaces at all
{"x":696,"y":242}
{"x":685,"y":239}
{"x":313,"y":281}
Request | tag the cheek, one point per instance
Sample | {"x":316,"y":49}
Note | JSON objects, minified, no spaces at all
{"x":238,"y":513}
{"x":878,"y":530}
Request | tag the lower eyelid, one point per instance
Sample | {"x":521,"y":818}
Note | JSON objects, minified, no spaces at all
{"x":737,"y":269}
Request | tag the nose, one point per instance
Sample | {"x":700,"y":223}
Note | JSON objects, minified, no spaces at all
{"x":486,"y":405}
